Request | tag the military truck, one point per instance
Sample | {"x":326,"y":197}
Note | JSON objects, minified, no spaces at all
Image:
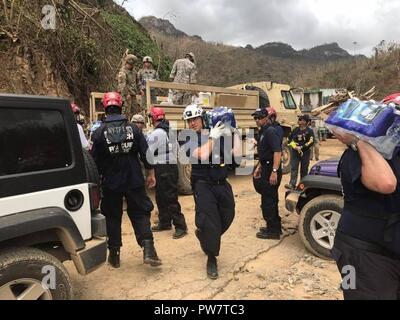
{"x":243,"y":99}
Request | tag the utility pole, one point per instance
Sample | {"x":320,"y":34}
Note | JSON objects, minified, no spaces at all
{"x":355,"y":47}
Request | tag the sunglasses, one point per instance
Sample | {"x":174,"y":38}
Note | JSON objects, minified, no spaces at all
{"x":258,"y":118}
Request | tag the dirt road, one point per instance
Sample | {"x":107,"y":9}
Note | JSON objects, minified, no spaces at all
{"x":249,"y":268}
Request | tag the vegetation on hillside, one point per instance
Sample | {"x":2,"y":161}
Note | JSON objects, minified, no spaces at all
{"x":84,"y":50}
{"x":382,"y":71}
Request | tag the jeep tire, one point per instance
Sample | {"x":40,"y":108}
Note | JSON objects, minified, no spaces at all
{"x":286,"y":158}
{"x":22,"y":271}
{"x":91,"y":168}
{"x":318,"y":222}
{"x":184,"y":171}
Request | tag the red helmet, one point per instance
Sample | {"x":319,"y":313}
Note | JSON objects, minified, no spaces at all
{"x":112,"y":99}
{"x":157,"y":113}
{"x":395,"y":98}
{"x":271,"y":112}
{"x":75,"y":108}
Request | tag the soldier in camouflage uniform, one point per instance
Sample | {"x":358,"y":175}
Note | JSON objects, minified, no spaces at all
{"x":184,"y":71}
{"x":127,"y":86}
{"x":147,"y":73}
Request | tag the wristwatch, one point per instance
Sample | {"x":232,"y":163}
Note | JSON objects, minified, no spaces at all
{"x":275,"y":170}
{"x":353,"y":144}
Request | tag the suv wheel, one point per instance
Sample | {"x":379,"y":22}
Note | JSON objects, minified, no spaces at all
{"x":185,"y":170}
{"x":319,"y":219}
{"x":22,"y":272}
{"x":286,"y":155}
{"x":91,"y":168}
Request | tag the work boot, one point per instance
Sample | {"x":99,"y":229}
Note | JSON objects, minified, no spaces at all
{"x":114,"y":258}
{"x":159,"y":228}
{"x":269,"y":235}
{"x":264,"y":230}
{"x":290,"y":186}
{"x":179,"y":233}
{"x":149,"y":254}
{"x":212,"y":268}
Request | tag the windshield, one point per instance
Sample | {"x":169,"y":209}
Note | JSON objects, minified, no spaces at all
{"x":288,"y":100}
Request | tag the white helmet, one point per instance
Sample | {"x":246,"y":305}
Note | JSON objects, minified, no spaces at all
{"x":192,"y":111}
{"x":148,"y":59}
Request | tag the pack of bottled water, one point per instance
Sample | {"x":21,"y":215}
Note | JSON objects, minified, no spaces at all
{"x":220,"y":114}
{"x":374,"y":122}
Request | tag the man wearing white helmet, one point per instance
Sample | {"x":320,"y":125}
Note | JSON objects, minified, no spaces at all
{"x":147,"y":73}
{"x":214,"y":200}
{"x":184,"y":71}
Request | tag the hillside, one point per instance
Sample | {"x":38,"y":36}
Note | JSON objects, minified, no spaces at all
{"x":225,"y":65}
{"x":382,"y":71}
{"x":83,"y":54}
{"x":323,"y":53}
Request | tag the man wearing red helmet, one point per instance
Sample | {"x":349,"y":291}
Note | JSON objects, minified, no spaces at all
{"x":268,"y":174}
{"x":163,"y":147}
{"x":117,"y":147}
{"x":393,"y":98}
{"x":84,"y":141}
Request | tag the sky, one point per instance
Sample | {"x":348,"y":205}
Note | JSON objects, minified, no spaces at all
{"x":356,"y":25}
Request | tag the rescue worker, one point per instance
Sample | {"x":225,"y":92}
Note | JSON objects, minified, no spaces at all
{"x":77,"y":112}
{"x":183,"y":71}
{"x":139,"y":121}
{"x":163,"y":149}
{"x":268,"y":174}
{"x":127,"y":86}
{"x":300,"y":142}
{"x":214,"y":200}
{"x":367,"y":241}
{"x":316,"y":145}
{"x":117,"y":146}
{"x":147,"y":73}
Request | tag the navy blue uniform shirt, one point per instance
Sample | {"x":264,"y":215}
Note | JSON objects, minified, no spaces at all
{"x":269,"y":142}
{"x":356,"y":194}
{"x":215,"y":169}
{"x":120,"y":171}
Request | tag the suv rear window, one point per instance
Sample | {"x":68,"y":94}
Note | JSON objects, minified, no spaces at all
{"x":32,"y":140}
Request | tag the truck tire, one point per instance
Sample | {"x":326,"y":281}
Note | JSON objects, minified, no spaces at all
{"x":184,"y":170}
{"x":319,"y":219}
{"x":91,"y":169}
{"x":286,"y":157}
{"x":23,"y":271}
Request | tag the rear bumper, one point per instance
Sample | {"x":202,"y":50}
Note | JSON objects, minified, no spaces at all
{"x":291,"y":200}
{"x":92,"y":257}
{"x":94,"y":254}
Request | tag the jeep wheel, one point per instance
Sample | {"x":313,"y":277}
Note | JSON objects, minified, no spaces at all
{"x":185,"y":171}
{"x":91,"y":169}
{"x":286,"y":159}
{"x":318,"y":222}
{"x":23,"y":270}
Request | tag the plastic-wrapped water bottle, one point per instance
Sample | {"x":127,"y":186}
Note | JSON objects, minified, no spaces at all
{"x":391,"y":141}
{"x":368,"y":118}
{"x":221,"y":114}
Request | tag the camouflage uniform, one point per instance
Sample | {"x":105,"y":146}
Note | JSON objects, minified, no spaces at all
{"x":127,"y":85}
{"x":183,"y":71}
{"x":143,"y":76}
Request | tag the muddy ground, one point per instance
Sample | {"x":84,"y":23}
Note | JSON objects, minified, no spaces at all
{"x":249,"y":268}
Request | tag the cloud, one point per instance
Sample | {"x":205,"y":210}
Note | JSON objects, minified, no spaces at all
{"x":300,"y":23}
